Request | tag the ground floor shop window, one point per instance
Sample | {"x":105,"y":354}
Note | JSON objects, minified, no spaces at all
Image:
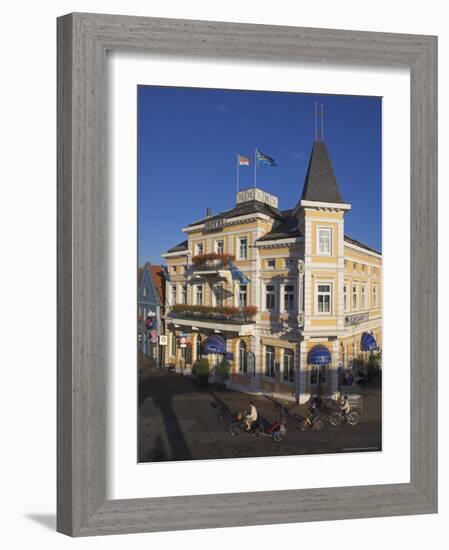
{"x":242,"y":357}
{"x":269,"y":361}
{"x":318,"y":374}
{"x":198,"y":347}
{"x":288,"y":365}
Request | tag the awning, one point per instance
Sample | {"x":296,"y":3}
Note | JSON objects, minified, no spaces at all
{"x":214,"y":344}
{"x":319,"y":355}
{"x":368,"y":342}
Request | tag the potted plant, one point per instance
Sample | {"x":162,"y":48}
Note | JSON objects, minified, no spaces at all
{"x":222,"y":371}
{"x":201,"y":370}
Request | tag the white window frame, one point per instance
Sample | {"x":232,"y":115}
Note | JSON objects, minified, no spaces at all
{"x":319,"y":252}
{"x":375,"y":295}
{"x":222,"y":246}
{"x":355,"y":307}
{"x":173,"y":294}
{"x":246,"y":295}
{"x":288,"y":353}
{"x":195,"y":295}
{"x":265,"y":296}
{"x":363,"y":297}
{"x":331,"y":301}
{"x":184,"y":294}
{"x":293,"y":295}
{"x":240,"y":239}
{"x":197,"y":247}
{"x":271,"y":266}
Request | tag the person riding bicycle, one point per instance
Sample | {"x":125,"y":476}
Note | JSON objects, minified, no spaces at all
{"x":250,"y":416}
{"x":344,"y":404}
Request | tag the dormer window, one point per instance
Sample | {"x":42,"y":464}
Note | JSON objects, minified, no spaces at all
{"x":324,"y":241}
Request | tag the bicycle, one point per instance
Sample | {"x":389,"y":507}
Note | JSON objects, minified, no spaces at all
{"x":315,"y":423}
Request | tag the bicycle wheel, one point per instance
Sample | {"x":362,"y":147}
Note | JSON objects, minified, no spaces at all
{"x":335,"y":418}
{"x":277,"y":436}
{"x":352,"y":418}
{"x":235,"y":429}
{"x":318,"y":425}
{"x":304,"y":425}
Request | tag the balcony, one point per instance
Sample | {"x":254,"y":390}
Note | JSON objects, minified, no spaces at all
{"x":220,"y":315}
{"x":214,"y":265}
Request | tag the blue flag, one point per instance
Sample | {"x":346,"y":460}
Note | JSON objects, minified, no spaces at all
{"x":265,"y":159}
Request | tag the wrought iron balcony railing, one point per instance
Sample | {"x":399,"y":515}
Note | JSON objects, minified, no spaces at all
{"x":217,"y":313}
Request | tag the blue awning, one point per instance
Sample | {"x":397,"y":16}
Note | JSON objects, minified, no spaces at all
{"x":319,"y":355}
{"x":214,"y":344}
{"x":368,"y":342}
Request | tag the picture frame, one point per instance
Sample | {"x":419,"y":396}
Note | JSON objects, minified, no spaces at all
{"x":83,"y":41}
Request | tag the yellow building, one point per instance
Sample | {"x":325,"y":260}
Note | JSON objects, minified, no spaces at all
{"x":284,"y":295}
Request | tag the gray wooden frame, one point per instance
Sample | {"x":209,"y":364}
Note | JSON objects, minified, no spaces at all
{"x":83,"y":40}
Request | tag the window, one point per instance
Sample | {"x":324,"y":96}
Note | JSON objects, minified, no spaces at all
{"x":198,"y":295}
{"x":324,"y":298}
{"x":219,"y":247}
{"x":345,"y":297}
{"x":363,"y":297}
{"x":288,"y":365}
{"x":318,"y":374}
{"x":324,"y":237}
{"x":243,"y":296}
{"x":355,"y":297}
{"x":354,"y":266}
{"x":184,"y":294}
{"x":199,"y":248}
{"x":218,"y":294}
{"x":198,"y":346}
{"x":269,"y":298}
{"x":145,"y":291}
{"x":243,"y":367}
{"x":375,"y":296}
{"x":173,"y":295}
{"x":289,"y":298}
{"x":243,"y":248}
{"x":271,"y":264}
{"x":269,"y":361}
{"x":173,"y":269}
{"x":173,"y":344}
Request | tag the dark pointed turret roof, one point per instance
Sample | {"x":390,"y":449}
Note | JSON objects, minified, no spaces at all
{"x":321,"y":184}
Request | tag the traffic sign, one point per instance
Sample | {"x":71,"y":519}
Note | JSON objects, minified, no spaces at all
{"x":163,"y":340}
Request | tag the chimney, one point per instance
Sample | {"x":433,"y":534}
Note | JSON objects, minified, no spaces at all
{"x":208,"y":213}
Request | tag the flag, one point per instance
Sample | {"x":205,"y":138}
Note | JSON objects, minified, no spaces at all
{"x":243,"y":161}
{"x":265,"y":159}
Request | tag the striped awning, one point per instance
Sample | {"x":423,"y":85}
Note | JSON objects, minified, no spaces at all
{"x":319,"y":355}
{"x":368,"y":342}
{"x":214,"y":344}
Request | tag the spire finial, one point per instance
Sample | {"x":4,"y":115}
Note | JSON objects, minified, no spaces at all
{"x":319,"y":122}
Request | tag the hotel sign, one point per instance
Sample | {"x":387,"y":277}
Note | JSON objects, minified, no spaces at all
{"x":357,"y":318}
{"x":213,"y":225}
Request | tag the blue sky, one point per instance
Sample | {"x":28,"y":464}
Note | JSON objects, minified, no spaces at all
{"x":188,"y":139}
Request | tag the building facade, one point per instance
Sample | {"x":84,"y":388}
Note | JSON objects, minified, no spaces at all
{"x":284,"y":295}
{"x":150,"y":304}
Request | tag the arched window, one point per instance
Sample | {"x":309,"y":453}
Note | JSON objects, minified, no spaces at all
{"x":269,"y":361}
{"x":242,"y":357}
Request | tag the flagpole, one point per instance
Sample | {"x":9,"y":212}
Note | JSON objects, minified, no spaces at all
{"x":255,"y":167}
{"x":238,"y":173}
